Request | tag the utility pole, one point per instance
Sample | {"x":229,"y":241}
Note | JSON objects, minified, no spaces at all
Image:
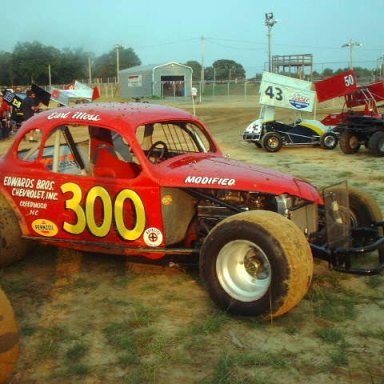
{"x":202,"y":79}
{"x":270,"y":22}
{"x":351,"y":44}
{"x":89,"y":71}
{"x":118,"y":47}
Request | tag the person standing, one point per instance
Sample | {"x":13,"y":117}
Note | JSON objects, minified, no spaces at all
{"x":5,"y":114}
{"x":29,"y":105}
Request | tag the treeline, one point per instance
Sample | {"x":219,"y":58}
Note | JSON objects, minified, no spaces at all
{"x":40,"y":64}
{"x":33,"y":62}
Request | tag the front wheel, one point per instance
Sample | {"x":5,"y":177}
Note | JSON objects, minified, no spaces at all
{"x":9,"y":339}
{"x":256,"y":263}
{"x":272,"y":142}
{"x":328,"y":140}
{"x":349,"y":143}
{"x":12,"y":246}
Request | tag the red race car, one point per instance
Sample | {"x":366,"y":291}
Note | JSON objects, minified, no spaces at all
{"x":151,"y":181}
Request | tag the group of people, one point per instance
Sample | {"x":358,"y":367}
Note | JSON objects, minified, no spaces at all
{"x":29,"y":106}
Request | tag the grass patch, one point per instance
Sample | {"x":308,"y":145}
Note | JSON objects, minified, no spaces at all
{"x":330,"y":335}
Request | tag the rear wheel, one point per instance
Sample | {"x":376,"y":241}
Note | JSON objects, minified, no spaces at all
{"x":364,"y":211}
{"x":328,"y":140}
{"x":376,"y":144}
{"x":256,"y":263}
{"x":272,"y":142}
{"x":12,"y":246}
{"x":9,"y":339}
{"x":349,"y":143}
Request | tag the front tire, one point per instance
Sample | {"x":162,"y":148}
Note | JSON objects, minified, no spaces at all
{"x":9,"y":339}
{"x":349,"y":143}
{"x":12,"y":246}
{"x":328,"y":141}
{"x":272,"y":142}
{"x":256,"y":263}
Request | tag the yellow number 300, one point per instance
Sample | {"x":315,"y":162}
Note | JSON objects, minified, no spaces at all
{"x":86,"y":216}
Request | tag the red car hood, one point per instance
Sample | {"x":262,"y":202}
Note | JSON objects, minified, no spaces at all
{"x":208,"y":171}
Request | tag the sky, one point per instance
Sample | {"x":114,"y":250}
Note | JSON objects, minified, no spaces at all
{"x":161,"y":31}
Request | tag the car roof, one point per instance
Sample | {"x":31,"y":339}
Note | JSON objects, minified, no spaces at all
{"x":131,"y":115}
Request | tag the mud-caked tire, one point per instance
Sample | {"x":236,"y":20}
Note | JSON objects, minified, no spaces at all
{"x":12,"y":246}
{"x":376,"y":144}
{"x":256,"y":263}
{"x":9,"y":339}
{"x":349,"y":143}
{"x":364,"y":211}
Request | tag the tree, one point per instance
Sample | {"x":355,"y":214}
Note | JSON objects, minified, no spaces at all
{"x":225,"y":70}
{"x":5,"y":67}
{"x":29,"y":63}
{"x":106,"y":65}
{"x":196,"y":68}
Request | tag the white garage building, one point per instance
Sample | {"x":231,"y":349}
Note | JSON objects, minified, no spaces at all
{"x":171,"y":79}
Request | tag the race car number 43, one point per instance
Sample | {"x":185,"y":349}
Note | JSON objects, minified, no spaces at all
{"x":85,"y":215}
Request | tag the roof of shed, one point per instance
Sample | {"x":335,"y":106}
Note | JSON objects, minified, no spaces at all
{"x":151,"y":67}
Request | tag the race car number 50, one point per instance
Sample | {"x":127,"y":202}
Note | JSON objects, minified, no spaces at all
{"x":85,"y":216}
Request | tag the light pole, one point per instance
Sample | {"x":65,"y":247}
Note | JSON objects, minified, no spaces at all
{"x":350,"y":45}
{"x":269,"y":22}
{"x":118,"y":46}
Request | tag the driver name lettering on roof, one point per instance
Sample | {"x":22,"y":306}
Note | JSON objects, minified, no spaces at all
{"x":209,"y":180}
{"x":76,"y":115}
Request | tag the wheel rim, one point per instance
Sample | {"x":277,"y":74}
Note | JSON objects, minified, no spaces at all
{"x":353,"y":142}
{"x":273,"y":142}
{"x":243,"y":270}
{"x":329,"y":141}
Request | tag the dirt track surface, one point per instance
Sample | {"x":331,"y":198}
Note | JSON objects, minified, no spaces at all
{"x":101,"y":319}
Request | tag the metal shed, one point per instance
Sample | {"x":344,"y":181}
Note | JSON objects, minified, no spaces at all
{"x":171,"y":79}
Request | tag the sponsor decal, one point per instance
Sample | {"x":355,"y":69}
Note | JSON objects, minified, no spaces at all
{"x":31,"y":188}
{"x":167,"y":200}
{"x":205,"y":180}
{"x":153,"y":237}
{"x":45,"y":227}
{"x":74,"y":115}
{"x":299,"y":101}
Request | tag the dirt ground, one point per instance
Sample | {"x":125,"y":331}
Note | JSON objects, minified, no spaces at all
{"x":102,"y":319}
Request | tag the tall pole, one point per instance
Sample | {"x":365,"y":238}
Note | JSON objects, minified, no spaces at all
{"x":270,"y":21}
{"x":202,"y":79}
{"x":118,"y":47}
{"x":49,"y":76}
{"x":351,"y":44}
{"x":89,"y":70}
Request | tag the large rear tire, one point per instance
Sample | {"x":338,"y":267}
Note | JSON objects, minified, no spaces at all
{"x":12,"y":246}
{"x":9,"y":339}
{"x":376,"y":144}
{"x":364,"y":211}
{"x":349,"y":143}
{"x":256,"y":263}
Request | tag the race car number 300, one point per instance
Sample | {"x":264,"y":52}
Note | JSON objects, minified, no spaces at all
{"x":85,"y":215}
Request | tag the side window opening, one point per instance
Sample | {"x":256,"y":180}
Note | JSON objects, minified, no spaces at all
{"x":81,"y":150}
{"x":176,"y":137}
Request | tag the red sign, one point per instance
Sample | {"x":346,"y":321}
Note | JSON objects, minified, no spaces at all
{"x":336,"y":86}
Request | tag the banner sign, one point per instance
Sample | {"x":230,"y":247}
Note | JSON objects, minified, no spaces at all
{"x":12,"y":99}
{"x":286,"y":92}
{"x":336,"y":86}
{"x":135,"y":81}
